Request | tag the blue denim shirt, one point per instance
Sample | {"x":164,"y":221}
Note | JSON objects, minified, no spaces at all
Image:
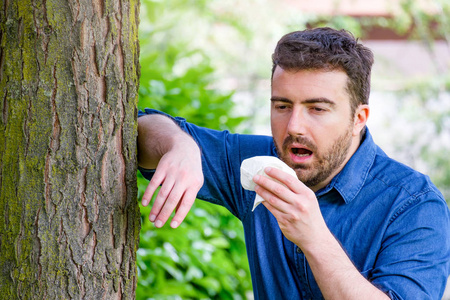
{"x":391,"y":220}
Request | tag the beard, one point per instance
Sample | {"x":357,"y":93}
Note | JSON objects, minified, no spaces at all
{"x":324,"y":164}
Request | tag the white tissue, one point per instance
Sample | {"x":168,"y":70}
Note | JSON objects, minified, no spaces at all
{"x":256,"y":165}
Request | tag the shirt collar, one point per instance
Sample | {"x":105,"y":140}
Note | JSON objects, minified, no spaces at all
{"x":352,"y":177}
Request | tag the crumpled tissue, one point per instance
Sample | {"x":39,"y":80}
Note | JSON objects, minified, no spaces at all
{"x":256,"y":165}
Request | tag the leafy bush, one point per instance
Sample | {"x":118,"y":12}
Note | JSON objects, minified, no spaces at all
{"x":205,"y":257}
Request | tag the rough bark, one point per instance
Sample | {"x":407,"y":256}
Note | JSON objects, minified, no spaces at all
{"x":69,"y":217}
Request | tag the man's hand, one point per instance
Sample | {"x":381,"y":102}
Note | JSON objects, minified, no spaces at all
{"x":180,"y":178}
{"x":177,"y":158}
{"x":293,"y":205}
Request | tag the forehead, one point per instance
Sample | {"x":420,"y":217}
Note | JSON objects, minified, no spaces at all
{"x":307,"y":84}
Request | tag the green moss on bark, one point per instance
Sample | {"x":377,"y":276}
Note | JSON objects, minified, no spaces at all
{"x":66,"y":148}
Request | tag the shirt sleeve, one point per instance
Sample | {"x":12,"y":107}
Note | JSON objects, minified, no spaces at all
{"x":222,"y":155}
{"x":414,"y":229}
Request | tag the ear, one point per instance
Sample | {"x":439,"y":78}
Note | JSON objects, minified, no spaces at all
{"x":360,"y":118}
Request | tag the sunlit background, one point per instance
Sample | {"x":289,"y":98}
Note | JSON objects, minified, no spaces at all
{"x":210,"y":62}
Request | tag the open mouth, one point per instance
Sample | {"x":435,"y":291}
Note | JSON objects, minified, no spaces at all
{"x":301,"y":152}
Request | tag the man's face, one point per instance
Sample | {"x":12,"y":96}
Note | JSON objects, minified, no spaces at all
{"x":312,"y":126}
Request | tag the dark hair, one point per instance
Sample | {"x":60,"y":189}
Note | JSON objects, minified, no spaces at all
{"x":328,"y":49}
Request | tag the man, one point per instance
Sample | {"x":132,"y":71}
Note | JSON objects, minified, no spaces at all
{"x":354,"y":224}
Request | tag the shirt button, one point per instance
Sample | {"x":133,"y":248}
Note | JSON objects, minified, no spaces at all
{"x":299,"y":250}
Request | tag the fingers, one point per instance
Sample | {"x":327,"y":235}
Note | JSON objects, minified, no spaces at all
{"x":180,"y":178}
{"x":278,"y":184}
{"x":177,"y":197}
{"x":277,"y":213}
{"x":281,"y":190}
{"x":165,"y":202}
{"x":183,"y":208}
{"x":294,"y":205}
{"x":289,"y":181}
{"x":272,"y":201}
{"x":176,"y":193}
{"x":151,"y":189}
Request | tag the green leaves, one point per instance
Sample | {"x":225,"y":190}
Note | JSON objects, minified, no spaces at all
{"x":204,"y":258}
{"x":178,"y":81}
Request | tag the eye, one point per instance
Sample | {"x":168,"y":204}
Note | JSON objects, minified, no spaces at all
{"x":318,"y":109}
{"x":281,"y":106}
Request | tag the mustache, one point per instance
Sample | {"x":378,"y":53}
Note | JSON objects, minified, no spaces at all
{"x":299,"y":140}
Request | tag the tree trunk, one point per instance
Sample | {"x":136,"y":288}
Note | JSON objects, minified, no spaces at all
{"x":69,"y":218}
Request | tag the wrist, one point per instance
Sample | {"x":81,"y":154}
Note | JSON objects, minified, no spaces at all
{"x":186,"y":145}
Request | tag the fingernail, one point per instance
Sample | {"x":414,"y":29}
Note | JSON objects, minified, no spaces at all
{"x":268,"y":169}
{"x":152,"y":218}
{"x":256,"y":177}
{"x":159,"y":224}
{"x":174,"y":224}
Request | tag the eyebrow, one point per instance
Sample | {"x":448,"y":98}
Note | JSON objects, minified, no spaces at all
{"x":307,"y":101}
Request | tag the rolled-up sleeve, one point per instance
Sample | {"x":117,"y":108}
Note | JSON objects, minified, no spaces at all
{"x":222,"y":154}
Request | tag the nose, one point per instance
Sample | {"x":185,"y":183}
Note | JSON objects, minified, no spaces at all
{"x":297,"y":123}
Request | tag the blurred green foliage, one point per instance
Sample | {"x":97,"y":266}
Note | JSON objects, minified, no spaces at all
{"x":204,"y":258}
{"x":175,"y":77}
{"x":432,"y":94}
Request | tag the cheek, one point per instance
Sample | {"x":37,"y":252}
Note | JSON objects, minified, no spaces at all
{"x":323,"y":137}
{"x":327,"y":139}
{"x":278,"y":129}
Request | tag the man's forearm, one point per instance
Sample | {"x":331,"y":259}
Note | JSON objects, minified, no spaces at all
{"x":164,"y":146}
{"x":158,"y":134}
{"x":336,"y":275}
